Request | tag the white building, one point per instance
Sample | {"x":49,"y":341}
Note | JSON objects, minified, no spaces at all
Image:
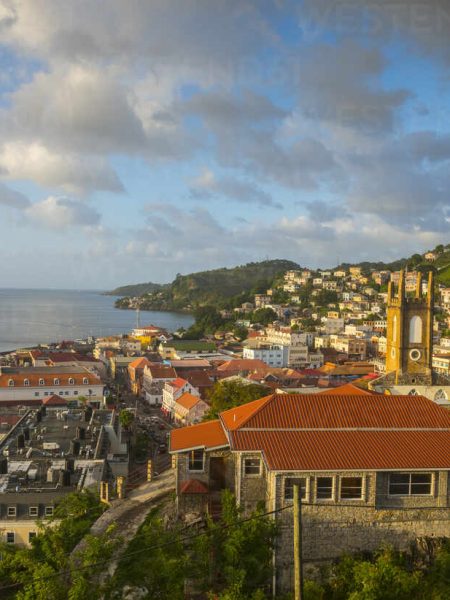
{"x":272,"y":355}
{"x":25,"y":384}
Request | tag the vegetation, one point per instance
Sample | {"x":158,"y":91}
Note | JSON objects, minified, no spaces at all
{"x":137,"y":289}
{"x":228,"y":394}
{"x":223,"y":288}
{"x":231,"y":559}
{"x":48,"y":570}
{"x":388,"y":575}
{"x":126,"y":418}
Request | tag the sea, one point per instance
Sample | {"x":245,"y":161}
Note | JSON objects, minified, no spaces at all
{"x":30,"y":317}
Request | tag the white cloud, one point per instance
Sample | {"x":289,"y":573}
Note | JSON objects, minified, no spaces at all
{"x":72,"y":173}
{"x":61,"y":213}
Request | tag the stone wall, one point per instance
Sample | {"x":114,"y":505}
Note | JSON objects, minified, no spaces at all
{"x":334,"y":527}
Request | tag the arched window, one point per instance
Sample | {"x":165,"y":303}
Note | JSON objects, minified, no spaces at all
{"x":85,"y":381}
{"x":41,"y":382}
{"x":394,"y":328}
{"x":440,"y":396}
{"x":11,"y":382}
{"x":56,"y":381}
{"x":26,"y":382}
{"x":71,"y":381}
{"x":415,"y":330}
{"x":412,"y":393}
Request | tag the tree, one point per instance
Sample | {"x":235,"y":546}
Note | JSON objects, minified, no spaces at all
{"x":264,"y":316}
{"x":234,"y":559}
{"x":228,"y":394}
{"x":240,"y":332}
{"x":126,"y":418}
{"x":161,"y":570}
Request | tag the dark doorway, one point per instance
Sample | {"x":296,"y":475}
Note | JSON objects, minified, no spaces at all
{"x":217,"y":473}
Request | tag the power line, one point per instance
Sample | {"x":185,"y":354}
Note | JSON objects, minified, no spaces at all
{"x":145,"y":549}
{"x":208,"y":532}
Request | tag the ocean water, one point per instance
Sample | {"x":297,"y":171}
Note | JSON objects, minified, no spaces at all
{"x":30,"y":317}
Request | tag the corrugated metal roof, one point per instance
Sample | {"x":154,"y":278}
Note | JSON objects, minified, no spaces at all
{"x":310,"y":411}
{"x":348,"y":450}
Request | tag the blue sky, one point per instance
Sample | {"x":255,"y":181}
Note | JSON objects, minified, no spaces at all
{"x":141,"y":139}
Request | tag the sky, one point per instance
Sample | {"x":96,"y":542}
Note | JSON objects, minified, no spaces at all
{"x":144,"y":138}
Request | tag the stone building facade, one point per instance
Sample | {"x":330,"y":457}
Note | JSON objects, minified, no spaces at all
{"x":367,"y":467}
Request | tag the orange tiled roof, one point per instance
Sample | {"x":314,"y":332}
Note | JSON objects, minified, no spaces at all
{"x":319,"y":433}
{"x":162,"y":371}
{"x":139,"y":363}
{"x":242,"y":364}
{"x":348,"y":450}
{"x":34,"y":376}
{"x":204,"y":435}
{"x":193,"y":486}
{"x":347,"y":390}
{"x":178,"y":382}
{"x":187,"y":400}
{"x":54,"y":400}
{"x":234,"y":417}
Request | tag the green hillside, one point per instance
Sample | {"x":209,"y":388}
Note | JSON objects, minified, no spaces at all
{"x":224,"y":287}
{"x":137,"y":289}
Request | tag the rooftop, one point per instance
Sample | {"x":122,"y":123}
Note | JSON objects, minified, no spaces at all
{"x":339,"y":432}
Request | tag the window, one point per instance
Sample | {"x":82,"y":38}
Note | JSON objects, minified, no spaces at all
{"x":56,"y":381}
{"x":351,"y":488}
{"x":33,"y":511}
{"x":26,"y":382}
{"x":66,"y":393}
{"x":289,"y":483}
{"x":36,"y":393}
{"x":252,"y":466}
{"x":12,"y":511}
{"x":49,"y":511}
{"x":415,"y":330}
{"x":75,"y":392}
{"x":440,"y":396}
{"x":71,"y":381}
{"x":10,"y":537}
{"x":324,"y":488}
{"x":409,"y":484}
{"x":85,"y":381}
{"x":196,"y":460}
{"x":11,"y":382}
{"x":31,"y":535}
{"x":41,"y":382}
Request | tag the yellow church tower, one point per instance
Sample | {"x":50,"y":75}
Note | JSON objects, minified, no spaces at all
{"x":410,"y":333}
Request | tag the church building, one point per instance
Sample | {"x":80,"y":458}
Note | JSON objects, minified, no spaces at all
{"x":410,"y":344}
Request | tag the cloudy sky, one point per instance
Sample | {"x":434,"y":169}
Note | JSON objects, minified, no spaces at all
{"x":143,"y":138}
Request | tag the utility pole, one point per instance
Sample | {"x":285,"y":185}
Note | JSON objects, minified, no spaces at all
{"x":298,"y":563}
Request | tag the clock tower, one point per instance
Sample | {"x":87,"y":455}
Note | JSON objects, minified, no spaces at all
{"x":410,"y":332}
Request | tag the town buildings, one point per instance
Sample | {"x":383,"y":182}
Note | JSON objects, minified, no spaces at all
{"x":49,"y":452}
{"x":32,"y":385}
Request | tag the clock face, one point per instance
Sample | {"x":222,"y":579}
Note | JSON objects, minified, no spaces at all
{"x":415,"y":354}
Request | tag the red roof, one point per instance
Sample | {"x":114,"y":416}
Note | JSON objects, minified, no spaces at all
{"x":193,"y":486}
{"x":204,"y":435}
{"x":54,"y":400}
{"x":242,"y":364}
{"x":348,"y":450}
{"x":139,"y":363}
{"x":178,"y":382}
{"x":316,"y":432}
{"x":188,"y":400}
{"x":348,"y":390}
